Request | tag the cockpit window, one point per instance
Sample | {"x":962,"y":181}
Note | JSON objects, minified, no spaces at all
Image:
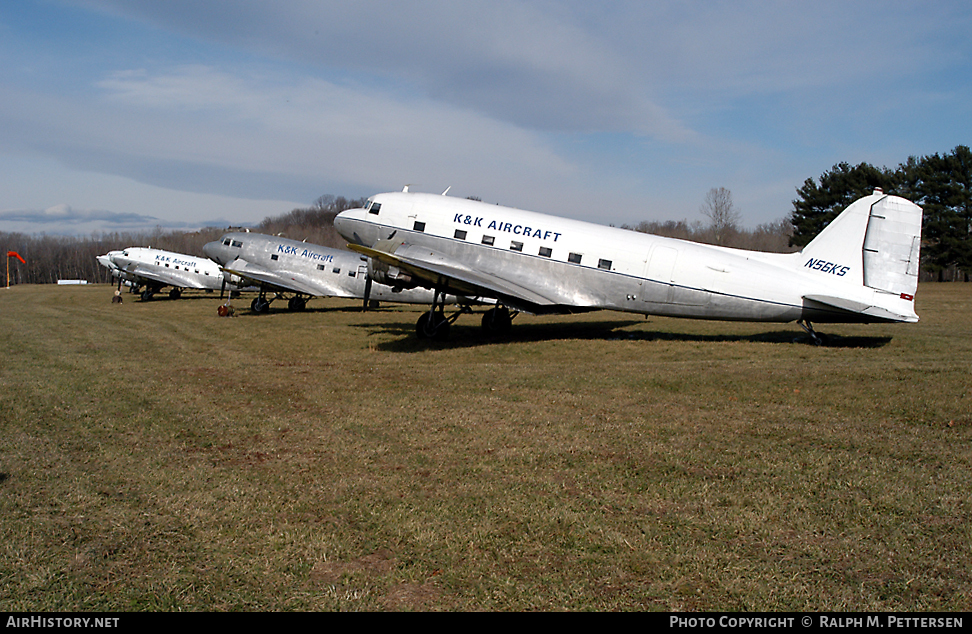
{"x":237,"y":243}
{"x":226,"y":242}
{"x":373,"y":207}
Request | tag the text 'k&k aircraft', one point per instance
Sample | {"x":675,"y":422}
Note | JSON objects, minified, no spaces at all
{"x":301,"y":270}
{"x":863,"y":267}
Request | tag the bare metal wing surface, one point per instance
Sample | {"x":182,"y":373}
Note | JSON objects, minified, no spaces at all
{"x":435,"y":269}
{"x":177,"y":278}
{"x":283,"y":281}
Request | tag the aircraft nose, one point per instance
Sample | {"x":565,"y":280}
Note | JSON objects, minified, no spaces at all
{"x":346,"y":224}
{"x":341,"y":224}
{"x":211,"y":249}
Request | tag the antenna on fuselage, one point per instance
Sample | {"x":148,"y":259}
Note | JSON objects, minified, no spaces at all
{"x":447,"y":190}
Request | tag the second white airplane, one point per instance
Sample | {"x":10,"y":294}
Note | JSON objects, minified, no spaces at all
{"x":863,"y":267}
{"x":284,"y":268}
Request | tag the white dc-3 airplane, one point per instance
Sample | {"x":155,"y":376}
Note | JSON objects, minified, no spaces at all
{"x":153,"y":269}
{"x":302,"y":270}
{"x":863,"y":267}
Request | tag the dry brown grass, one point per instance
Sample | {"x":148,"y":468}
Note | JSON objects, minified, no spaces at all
{"x":156,"y":457}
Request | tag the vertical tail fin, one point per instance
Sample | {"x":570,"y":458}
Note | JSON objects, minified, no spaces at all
{"x":875,"y":242}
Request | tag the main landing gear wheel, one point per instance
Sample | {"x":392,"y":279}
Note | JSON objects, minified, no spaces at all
{"x":432,"y":325}
{"x":296,"y":303}
{"x":175,"y":293}
{"x":260,"y":305}
{"x":497,"y":321}
{"x":146,"y":296}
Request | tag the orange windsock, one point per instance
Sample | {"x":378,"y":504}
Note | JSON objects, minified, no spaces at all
{"x":14,"y":254}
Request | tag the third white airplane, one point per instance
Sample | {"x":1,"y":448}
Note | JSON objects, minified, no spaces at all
{"x":863,"y":267}
{"x":154,"y":269}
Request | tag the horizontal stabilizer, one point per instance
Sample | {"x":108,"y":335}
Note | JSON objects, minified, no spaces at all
{"x":859,"y":308}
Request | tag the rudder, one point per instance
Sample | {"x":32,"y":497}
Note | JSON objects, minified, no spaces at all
{"x":892,"y":246}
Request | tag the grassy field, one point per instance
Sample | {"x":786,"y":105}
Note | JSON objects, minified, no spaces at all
{"x":157,"y":457}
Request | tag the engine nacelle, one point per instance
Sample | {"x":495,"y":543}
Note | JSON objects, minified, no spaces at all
{"x":389,"y":275}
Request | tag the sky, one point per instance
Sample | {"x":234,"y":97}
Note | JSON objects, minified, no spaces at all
{"x":135,"y":114}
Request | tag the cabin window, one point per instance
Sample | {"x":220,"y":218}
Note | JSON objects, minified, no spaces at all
{"x":351,"y":272}
{"x":488,"y":240}
{"x":337,"y":269}
{"x":274,"y":257}
{"x":460,"y":234}
{"x":546,"y":252}
{"x":574,"y":258}
{"x":604,"y":264}
{"x":419,"y":226}
{"x":166,"y":265}
{"x":374,"y":208}
{"x":516,"y":246}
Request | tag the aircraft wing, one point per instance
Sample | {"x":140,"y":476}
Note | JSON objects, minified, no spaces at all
{"x":168,"y":277}
{"x":434,"y":268}
{"x":283,"y":281}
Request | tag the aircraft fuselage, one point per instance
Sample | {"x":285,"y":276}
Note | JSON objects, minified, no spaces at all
{"x":575,"y":266}
{"x":303,"y":268}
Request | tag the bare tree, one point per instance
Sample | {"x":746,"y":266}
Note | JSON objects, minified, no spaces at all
{"x":723,"y":216}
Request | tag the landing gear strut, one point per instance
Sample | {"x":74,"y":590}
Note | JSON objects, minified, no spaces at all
{"x":260,"y":303}
{"x":434,"y":324}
